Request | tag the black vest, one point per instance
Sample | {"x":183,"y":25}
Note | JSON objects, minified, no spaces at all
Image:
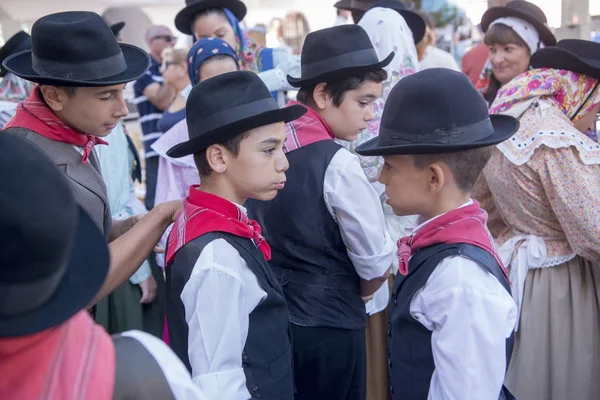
{"x":410,"y":356}
{"x":308,"y":254}
{"x":267,"y":356}
{"x":138,"y":375}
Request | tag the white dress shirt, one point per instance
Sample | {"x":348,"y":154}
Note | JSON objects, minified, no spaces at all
{"x":356,"y":208}
{"x":218,"y":299}
{"x":470,"y":315}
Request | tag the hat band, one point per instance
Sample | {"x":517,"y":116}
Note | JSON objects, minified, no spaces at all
{"x":21,"y":297}
{"x":454,"y":136}
{"x":235,"y":114}
{"x":82,"y":71}
{"x":355,"y":59}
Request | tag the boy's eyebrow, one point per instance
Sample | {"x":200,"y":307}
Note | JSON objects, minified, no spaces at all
{"x":107,"y":91}
{"x":272,"y":141}
{"x":369,"y":96}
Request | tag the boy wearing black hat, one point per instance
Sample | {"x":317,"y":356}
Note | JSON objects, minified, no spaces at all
{"x":227,"y":316}
{"x":452,"y":315}
{"x":79,"y":100}
{"x":333,"y":247}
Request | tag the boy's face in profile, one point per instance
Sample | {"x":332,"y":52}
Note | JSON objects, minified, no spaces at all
{"x":406,"y":186}
{"x":258,"y":171}
{"x":356,"y":110}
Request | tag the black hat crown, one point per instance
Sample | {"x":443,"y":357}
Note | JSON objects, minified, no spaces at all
{"x":18,"y":42}
{"x":415,"y":22}
{"x":437,"y":110}
{"x":77,"y":48}
{"x":580,"y":56}
{"x":334,"y":52}
{"x":222,"y":107}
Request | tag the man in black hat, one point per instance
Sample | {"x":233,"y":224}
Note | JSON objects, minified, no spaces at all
{"x":78,"y":101}
{"x":450,"y":331}
{"x":53,"y":261}
{"x":334,"y":247}
{"x":227,"y":315}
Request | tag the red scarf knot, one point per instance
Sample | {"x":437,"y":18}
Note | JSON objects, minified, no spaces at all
{"x":204,"y":213}
{"x":35,"y":115}
{"x":462,"y":225}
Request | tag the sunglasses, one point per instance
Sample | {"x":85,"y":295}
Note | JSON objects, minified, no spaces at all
{"x":167,"y":38}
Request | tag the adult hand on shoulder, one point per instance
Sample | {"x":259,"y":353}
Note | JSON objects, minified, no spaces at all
{"x":148,"y":288}
{"x":172,"y":208}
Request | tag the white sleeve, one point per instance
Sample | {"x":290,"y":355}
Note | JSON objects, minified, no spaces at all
{"x":176,"y":374}
{"x":356,"y":207}
{"x":218,"y":299}
{"x":470,"y":315}
{"x":284,"y":64}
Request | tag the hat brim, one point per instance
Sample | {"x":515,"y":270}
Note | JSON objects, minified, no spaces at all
{"x":84,"y":276}
{"x":345,"y":5}
{"x":494,"y":13}
{"x":416,"y":23}
{"x":233,"y":129}
{"x":504,"y":127}
{"x":183,"y":19}
{"x":338,"y":73}
{"x":137,"y":60}
{"x":21,"y":41}
{"x":559,"y":58}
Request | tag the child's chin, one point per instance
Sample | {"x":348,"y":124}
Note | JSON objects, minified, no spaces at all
{"x":266,"y":195}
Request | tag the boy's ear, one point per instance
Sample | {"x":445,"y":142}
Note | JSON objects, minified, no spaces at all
{"x":437,"y":177}
{"x":320,"y":96}
{"x":53,"y":96}
{"x":216,"y":158}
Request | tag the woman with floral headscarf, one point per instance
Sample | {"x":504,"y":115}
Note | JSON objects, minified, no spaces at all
{"x":544,"y":186}
{"x":221,"y":19}
{"x":389,"y":32}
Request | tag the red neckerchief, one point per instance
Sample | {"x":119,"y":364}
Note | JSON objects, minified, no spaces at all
{"x":35,"y":115}
{"x":462,"y":225}
{"x":203,"y":213}
{"x":309,"y":128}
{"x":74,"y":360}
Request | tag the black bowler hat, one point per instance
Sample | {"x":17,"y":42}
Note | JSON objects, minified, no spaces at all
{"x":415,"y":22}
{"x":185,"y":17}
{"x":222,"y":107}
{"x":524,"y":10}
{"x":355,"y":5}
{"x":580,"y":56}
{"x":437,"y":110}
{"x":117,"y":28}
{"x":337,"y":52}
{"x":53,"y":258}
{"x":77,"y":48}
{"x":17,"y":43}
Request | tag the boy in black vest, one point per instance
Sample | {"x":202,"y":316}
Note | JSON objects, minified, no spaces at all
{"x":227,"y":316}
{"x":452,"y":315}
{"x":331,"y":249}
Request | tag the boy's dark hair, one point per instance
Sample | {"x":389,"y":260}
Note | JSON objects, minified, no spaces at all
{"x":337,"y":88}
{"x":232,"y":145}
{"x":466,"y":165}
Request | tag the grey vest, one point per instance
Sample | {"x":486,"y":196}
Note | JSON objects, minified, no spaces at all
{"x":86,"y":181}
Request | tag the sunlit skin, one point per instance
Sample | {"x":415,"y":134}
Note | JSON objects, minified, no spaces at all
{"x":214,"y":25}
{"x":92,"y":110}
{"x":584,"y":123}
{"x":216,"y":66}
{"x":355,"y":112}
{"x":257,"y":172}
{"x":427,"y":192}
{"x":508,"y":61}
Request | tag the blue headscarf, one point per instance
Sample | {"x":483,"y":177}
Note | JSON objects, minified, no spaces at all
{"x":204,"y":49}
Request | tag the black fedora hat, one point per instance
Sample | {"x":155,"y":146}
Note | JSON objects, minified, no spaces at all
{"x":524,"y":10}
{"x":185,"y":17}
{"x":17,"y":43}
{"x":422,"y":116}
{"x":117,"y":28}
{"x":77,"y":48}
{"x":337,"y":52}
{"x":415,"y":22}
{"x":53,"y":258}
{"x":580,"y":56}
{"x":355,"y":5}
{"x":222,"y":107}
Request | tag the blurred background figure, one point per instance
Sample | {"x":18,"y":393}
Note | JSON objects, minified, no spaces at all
{"x":431,"y":56}
{"x":12,"y":88}
{"x":258,"y":34}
